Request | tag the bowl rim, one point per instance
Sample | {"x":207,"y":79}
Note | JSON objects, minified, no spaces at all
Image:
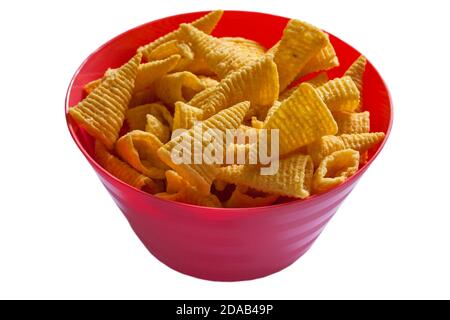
{"x":295,"y":202}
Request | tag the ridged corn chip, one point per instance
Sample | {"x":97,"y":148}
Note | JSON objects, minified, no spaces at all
{"x":293,"y":178}
{"x":136,"y":117}
{"x":257,"y":83}
{"x":208,"y":81}
{"x":257,"y":124}
{"x":89,"y":87}
{"x":299,"y":44}
{"x":142,"y":97}
{"x":239,"y":199}
{"x":190,"y":196}
{"x":207,"y":23}
{"x":301,"y":119}
{"x":174,"y":47}
{"x":356,"y":72}
{"x":334,"y":169}
{"x":157,"y":128}
{"x":352,"y":122}
{"x":138,"y":149}
{"x":223,"y":57}
{"x":272,"y":110}
{"x":120,"y":169}
{"x":326,"y":145}
{"x":324,"y":60}
{"x":193,"y":81}
{"x":340,"y":94}
{"x":317,"y":81}
{"x":180,"y":190}
{"x":102,"y":112}
{"x":185,"y":116}
{"x":246,"y":43}
{"x":149,"y":72}
{"x":179,"y":86}
{"x":202,"y":175}
{"x":174,"y":181}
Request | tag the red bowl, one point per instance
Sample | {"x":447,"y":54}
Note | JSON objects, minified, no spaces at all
{"x":214,"y":243}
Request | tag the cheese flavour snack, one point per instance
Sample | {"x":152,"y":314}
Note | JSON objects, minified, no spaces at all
{"x":190,"y":88}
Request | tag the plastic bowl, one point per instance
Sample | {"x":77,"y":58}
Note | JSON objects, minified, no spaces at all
{"x":224,"y":244}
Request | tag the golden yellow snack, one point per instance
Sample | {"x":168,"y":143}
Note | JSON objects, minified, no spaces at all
{"x":335,"y":169}
{"x":299,"y":44}
{"x":352,"y":122}
{"x":207,"y":23}
{"x":185,"y":116}
{"x":323,"y":147}
{"x":201,"y":175}
{"x":188,"y":60}
{"x":287,"y":93}
{"x":162,"y":114}
{"x":362,"y":141}
{"x":245,"y":128}
{"x":258,"y":111}
{"x":240,"y":199}
{"x":246,"y":43}
{"x":173,"y":47}
{"x":301,"y":119}
{"x":170,"y":48}
{"x":191,"y":88}
{"x":324,"y":60}
{"x":317,"y":81}
{"x":222,"y":56}
{"x":138,"y":149}
{"x":174,"y":181}
{"x":243,"y":152}
{"x":257,"y":124}
{"x":326,"y":145}
{"x":142,"y":97}
{"x":257,"y":83}
{"x":356,"y":72}
{"x":199,"y":67}
{"x":180,"y":190}
{"x":190,"y":196}
{"x":340,"y":94}
{"x":272,"y":110}
{"x":90,"y":86}
{"x":136,"y":117}
{"x":120,"y":169}
{"x":102,"y":112}
{"x":146,"y":74}
{"x":208,"y":81}
{"x":179,"y":86}
{"x":157,"y":128}
{"x":149,"y":72}
{"x":293,"y":178}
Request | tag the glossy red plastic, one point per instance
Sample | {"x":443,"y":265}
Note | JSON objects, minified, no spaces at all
{"x":224,"y":244}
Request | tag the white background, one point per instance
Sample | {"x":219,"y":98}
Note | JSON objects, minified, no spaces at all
{"x":61,"y":235}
